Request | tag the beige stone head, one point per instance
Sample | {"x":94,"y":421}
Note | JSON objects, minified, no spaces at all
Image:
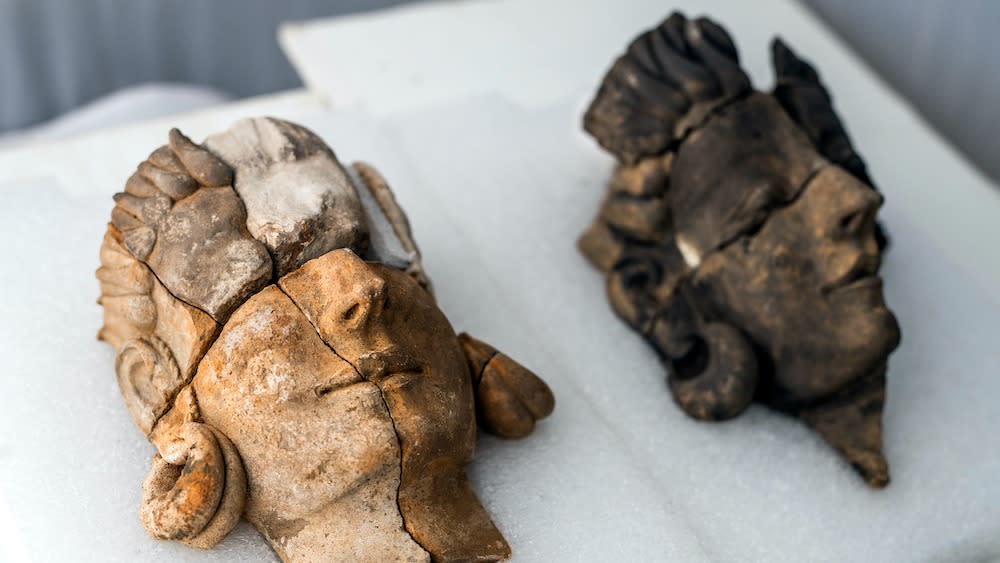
{"x":326,"y":400}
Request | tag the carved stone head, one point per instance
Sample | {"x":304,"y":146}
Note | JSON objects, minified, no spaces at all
{"x":323,"y":397}
{"x":739,"y":236}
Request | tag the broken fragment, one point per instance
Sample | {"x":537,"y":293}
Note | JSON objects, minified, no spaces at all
{"x":284,"y":379}
{"x":738,"y":237}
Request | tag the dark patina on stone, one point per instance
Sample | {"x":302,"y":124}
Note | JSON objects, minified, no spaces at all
{"x":738,"y":236}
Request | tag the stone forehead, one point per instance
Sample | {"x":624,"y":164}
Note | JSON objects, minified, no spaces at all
{"x":747,"y":145}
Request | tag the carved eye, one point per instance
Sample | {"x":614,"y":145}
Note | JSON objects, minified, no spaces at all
{"x":753,"y":213}
{"x":756,"y":222}
{"x":351,"y":312}
{"x":324,"y":389}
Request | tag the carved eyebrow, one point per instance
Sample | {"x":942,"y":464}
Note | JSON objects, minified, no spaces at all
{"x":763,"y":195}
{"x":773,"y":199}
{"x":754,"y":208}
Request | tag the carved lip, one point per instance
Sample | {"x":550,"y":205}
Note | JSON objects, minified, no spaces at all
{"x":391,"y":363}
{"x":865,"y":291}
{"x":868,"y":282}
{"x":863,"y":274}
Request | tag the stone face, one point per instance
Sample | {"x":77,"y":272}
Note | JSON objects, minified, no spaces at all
{"x":827,"y":319}
{"x":335,"y":409}
{"x":738,"y":236}
{"x":381,"y":321}
{"x":316,"y":439}
{"x":299,"y":201}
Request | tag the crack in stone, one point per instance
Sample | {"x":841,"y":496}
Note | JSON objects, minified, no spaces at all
{"x":771,"y":212}
{"x":482,"y":370}
{"x":711,"y":112}
{"x":395,"y":430}
{"x":220,"y":323}
{"x":169,"y":405}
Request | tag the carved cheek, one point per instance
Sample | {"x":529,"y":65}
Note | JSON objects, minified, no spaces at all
{"x":302,"y":454}
{"x":347,"y":437}
{"x":787,"y":255}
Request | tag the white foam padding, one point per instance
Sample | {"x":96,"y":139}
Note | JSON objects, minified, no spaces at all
{"x":618,"y":473}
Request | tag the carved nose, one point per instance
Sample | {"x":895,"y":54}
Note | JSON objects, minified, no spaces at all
{"x":855,"y":216}
{"x":367,"y":300}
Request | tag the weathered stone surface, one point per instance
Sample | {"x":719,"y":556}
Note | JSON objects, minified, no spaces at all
{"x":204,"y":255}
{"x":335,"y":411}
{"x":299,"y":200}
{"x":159,"y":339}
{"x":381,"y":321}
{"x":192,"y":235}
{"x":316,"y":439}
{"x":739,"y":237}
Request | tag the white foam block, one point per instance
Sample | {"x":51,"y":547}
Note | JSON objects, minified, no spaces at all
{"x":618,"y":472}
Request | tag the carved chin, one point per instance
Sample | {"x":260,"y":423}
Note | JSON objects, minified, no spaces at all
{"x":874,"y":336}
{"x":856,"y":348}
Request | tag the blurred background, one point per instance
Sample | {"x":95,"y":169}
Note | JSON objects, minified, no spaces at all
{"x":68,"y":65}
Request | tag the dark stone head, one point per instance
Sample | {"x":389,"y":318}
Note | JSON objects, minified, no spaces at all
{"x":739,"y":236}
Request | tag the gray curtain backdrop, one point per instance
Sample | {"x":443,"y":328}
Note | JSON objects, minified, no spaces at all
{"x":57,"y":54}
{"x":944,"y":55}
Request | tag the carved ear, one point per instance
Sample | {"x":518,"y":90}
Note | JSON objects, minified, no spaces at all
{"x":715,"y":378}
{"x":147,"y":377}
{"x":196,"y":489}
{"x":510,"y":398}
{"x":667,"y":73}
{"x":713,"y":368}
{"x":802,"y":94}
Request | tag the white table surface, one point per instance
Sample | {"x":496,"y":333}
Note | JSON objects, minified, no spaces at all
{"x":472,"y":113}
